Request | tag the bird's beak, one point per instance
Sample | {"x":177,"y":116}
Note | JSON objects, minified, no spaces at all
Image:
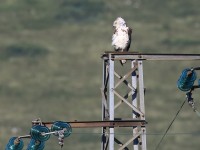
{"x":114,"y":24}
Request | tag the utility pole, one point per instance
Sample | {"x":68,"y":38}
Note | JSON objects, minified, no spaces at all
{"x":112,"y":97}
{"x":133,"y":99}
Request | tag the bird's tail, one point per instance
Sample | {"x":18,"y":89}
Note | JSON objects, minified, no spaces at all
{"x":122,"y":62}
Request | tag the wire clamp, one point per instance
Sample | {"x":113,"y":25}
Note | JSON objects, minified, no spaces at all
{"x":61,"y":137}
{"x":190,"y":100}
{"x":37,"y":121}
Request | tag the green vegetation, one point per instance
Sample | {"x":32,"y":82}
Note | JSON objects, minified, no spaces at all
{"x":51,"y":67}
{"x":23,"y":50}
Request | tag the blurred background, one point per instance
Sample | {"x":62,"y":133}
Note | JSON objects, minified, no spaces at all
{"x":51,"y":67}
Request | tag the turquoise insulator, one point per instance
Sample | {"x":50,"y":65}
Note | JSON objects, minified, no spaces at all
{"x":15,"y":144}
{"x":186,"y":80}
{"x":37,"y":132}
{"x":36,"y":145}
{"x":59,"y":125}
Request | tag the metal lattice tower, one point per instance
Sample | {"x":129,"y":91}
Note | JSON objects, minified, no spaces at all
{"x":112,"y":80}
{"x":112,"y":98}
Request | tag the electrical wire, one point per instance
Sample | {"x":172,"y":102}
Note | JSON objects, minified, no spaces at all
{"x":170,"y":125}
{"x":148,"y":134}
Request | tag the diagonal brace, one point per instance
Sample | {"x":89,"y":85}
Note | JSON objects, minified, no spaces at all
{"x":125,"y":97}
{"x":130,"y":141}
{"x":125,"y":81}
{"x":133,"y":107}
{"x":126,"y":76}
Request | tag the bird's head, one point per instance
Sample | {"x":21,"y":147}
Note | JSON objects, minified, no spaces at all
{"x":119,"y":22}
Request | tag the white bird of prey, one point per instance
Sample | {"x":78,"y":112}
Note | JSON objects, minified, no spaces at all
{"x":121,"y":39}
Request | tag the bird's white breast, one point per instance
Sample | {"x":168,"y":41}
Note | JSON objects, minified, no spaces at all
{"x":120,"y":38}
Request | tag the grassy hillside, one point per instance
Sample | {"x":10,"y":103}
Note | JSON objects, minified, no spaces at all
{"x":51,"y":67}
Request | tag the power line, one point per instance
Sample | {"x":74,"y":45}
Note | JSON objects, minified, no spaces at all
{"x":170,"y":125}
{"x":148,"y":134}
